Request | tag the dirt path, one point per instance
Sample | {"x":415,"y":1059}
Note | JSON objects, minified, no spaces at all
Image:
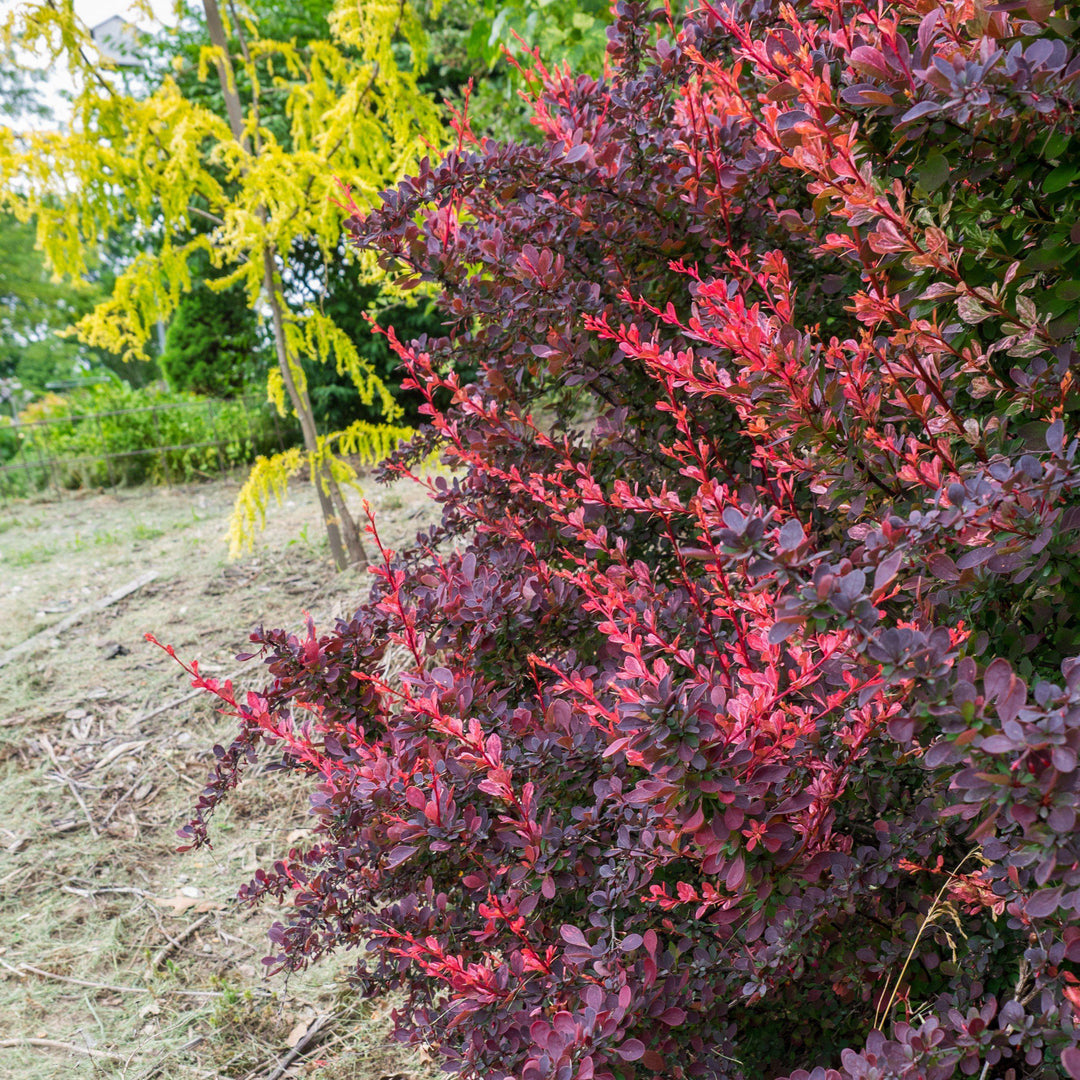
{"x":118,"y":957}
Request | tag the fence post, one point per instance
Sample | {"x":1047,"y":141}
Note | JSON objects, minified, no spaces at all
{"x":247,"y":424}
{"x":105,"y":450}
{"x":277,"y":428}
{"x":162,"y":456}
{"x":22,"y":455}
{"x":212,"y":415}
{"x":47,"y":462}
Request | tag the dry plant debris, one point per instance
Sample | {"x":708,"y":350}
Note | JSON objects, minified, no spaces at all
{"x":118,"y":957}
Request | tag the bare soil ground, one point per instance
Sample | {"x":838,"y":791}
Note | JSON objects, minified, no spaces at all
{"x":119,"y":957}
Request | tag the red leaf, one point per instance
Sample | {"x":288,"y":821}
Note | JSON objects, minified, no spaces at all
{"x":865,"y":59}
{"x":631,"y":1050}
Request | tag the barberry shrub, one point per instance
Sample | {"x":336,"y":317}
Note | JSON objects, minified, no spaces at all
{"x":728,"y":723}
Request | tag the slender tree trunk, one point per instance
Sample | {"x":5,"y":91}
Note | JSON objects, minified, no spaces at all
{"x":336,"y":517}
{"x":302,"y":407}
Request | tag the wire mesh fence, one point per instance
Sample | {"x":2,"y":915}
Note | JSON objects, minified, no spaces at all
{"x":168,"y":443}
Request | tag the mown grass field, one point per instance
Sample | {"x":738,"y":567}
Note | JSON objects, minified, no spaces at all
{"x":118,"y":956}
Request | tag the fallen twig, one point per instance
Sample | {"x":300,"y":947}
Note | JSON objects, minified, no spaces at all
{"x":81,"y":982}
{"x":54,"y":1044}
{"x":76,"y":616}
{"x":297,"y":1051}
{"x":175,"y":943}
{"x":22,"y":969}
{"x":119,"y":751}
{"x":15,"y":873}
{"x":123,"y":798}
{"x":105,"y":890}
{"x":180,"y":700}
{"x":74,"y":788}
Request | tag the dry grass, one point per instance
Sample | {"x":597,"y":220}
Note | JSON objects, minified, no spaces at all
{"x":118,"y":957}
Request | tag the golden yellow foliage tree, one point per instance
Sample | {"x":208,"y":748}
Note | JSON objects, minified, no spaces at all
{"x":154,"y":163}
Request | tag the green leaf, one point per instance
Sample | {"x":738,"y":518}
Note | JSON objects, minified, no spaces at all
{"x":1055,"y":146}
{"x":934,"y":172}
{"x":1059,"y":178}
{"x":1065,"y":326}
{"x":1046,"y":258}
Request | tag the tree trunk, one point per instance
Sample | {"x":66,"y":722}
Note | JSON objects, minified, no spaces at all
{"x":336,"y":517}
{"x":324,"y":483}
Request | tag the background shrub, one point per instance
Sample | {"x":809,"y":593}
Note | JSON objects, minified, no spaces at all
{"x":150,"y":436}
{"x":738,"y":736}
{"x":212,"y":344}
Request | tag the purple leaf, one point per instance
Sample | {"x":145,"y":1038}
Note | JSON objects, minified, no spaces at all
{"x":1064,"y":759}
{"x":733,"y":519}
{"x":1055,"y":436}
{"x":997,"y":677}
{"x":975,"y":557}
{"x":1012,"y":1012}
{"x":1012,"y":701}
{"x":791,"y":535}
{"x":887,"y":569}
{"x":573,"y":936}
{"x":1043,"y":903}
{"x":1070,"y":1061}
{"x":943,"y":568}
{"x":917,"y":112}
{"x":399,"y":855}
{"x":782,"y":629}
{"x":673,"y":1017}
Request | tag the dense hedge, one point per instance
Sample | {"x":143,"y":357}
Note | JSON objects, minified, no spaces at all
{"x":116,"y":435}
{"x":738,"y":735}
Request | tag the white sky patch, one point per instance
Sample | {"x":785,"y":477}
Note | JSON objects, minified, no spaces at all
{"x":93,"y":13}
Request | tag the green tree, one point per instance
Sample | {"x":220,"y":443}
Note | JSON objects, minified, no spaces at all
{"x":156,"y":162}
{"x":212,"y":345}
{"x":330,"y":280}
{"x":33,"y":308}
{"x":471,"y":40}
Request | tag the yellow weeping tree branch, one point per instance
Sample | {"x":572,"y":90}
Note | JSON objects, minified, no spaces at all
{"x":152,"y":164}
